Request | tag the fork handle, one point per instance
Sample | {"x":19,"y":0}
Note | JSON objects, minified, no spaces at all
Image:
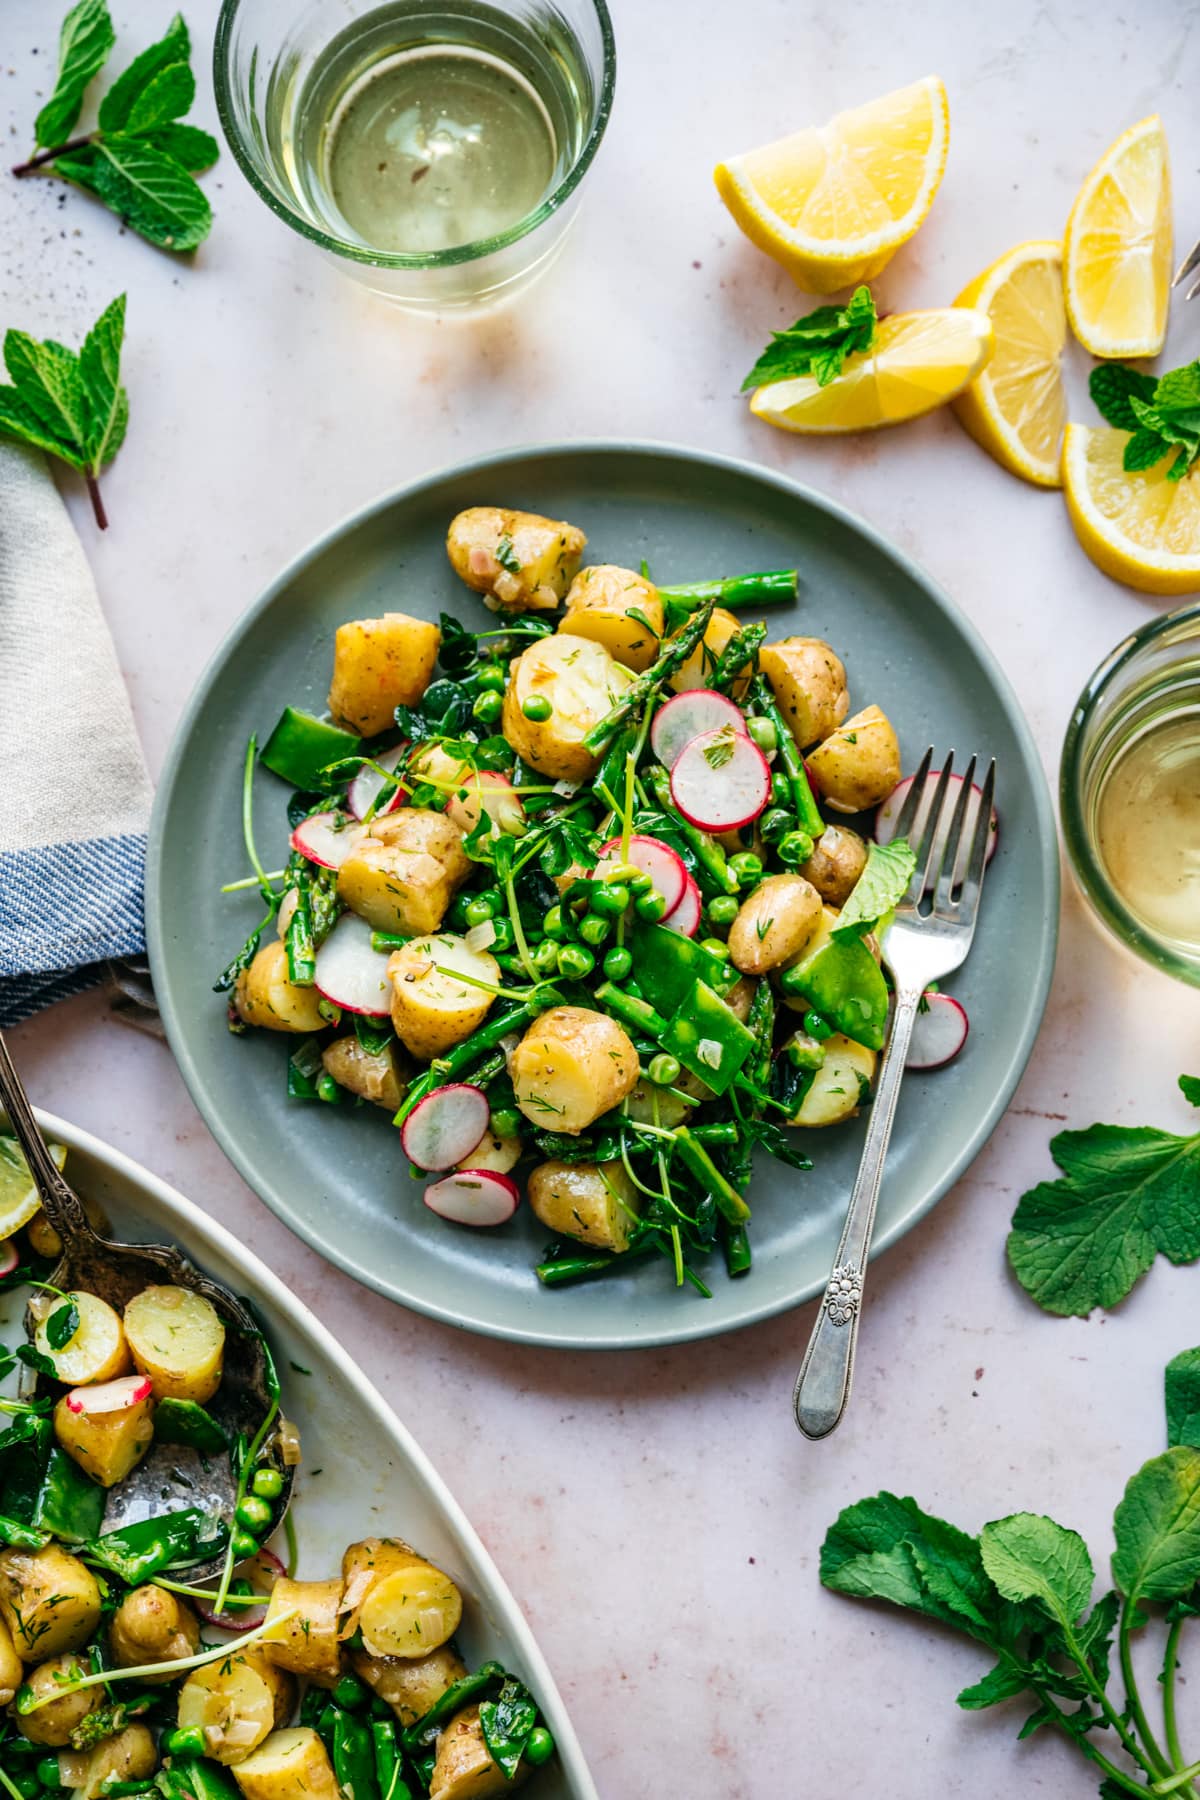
{"x":823,"y":1384}
{"x":61,"y":1204}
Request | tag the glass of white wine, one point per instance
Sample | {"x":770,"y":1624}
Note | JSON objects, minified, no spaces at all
{"x":434,"y":147}
{"x":1129,"y":792}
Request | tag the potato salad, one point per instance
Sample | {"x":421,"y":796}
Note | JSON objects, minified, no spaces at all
{"x":582,"y":898}
{"x":124,"y":1672}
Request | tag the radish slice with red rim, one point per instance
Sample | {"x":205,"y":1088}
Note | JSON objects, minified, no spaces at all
{"x":8,"y":1257}
{"x":478,"y":1197}
{"x":685,"y":918}
{"x":665,"y":868}
{"x":351,"y":972}
{"x":262,"y":1572}
{"x":110,"y":1396}
{"x":889,"y":812}
{"x":368,"y":784}
{"x":939,"y":1033}
{"x":445,"y":1126}
{"x":327,"y":838}
{"x":688,"y":716}
{"x":501,"y":803}
{"x":721,"y":780}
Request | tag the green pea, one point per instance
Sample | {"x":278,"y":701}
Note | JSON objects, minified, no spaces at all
{"x":506,"y":1122}
{"x":664,"y":1070}
{"x":505,"y":937}
{"x":651,"y":907}
{"x":593,"y":929}
{"x":774,"y":824}
{"x":723,"y":910}
{"x":26,"y":1784}
{"x":575,"y":961}
{"x":762,"y":733}
{"x":47,"y":1772}
{"x":350,"y":1693}
{"x":641,"y":883}
{"x":328,"y":1090}
{"x":267,"y":1483}
{"x":187,"y":1740}
{"x":492,"y":679}
{"x":715,"y":947}
{"x":545,"y":957}
{"x":609,"y":900}
{"x":477,"y":911}
{"x":553,"y":924}
{"x":746,"y":868}
{"x":254,"y":1513}
{"x":456,"y":918}
{"x":795,"y":848}
{"x":781,"y":793}
{"x":540,"y":1747}
{"x":537,"y":708}
{"x":817,"y":1027}
{"x":618,"y":963}
{"x":244,"y":1546}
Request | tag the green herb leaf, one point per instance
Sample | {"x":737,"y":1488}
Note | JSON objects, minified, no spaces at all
{"x":48,"y":378}
{"x":817,"y":344}
{"x":73,"y":407}
{"x":1004,"y":1682}
{"x":1182,"y":1392}
{"x":879,"y":889}
{"x":1112,"y":386}
{"x":1157,"y":413}
{"x":153,"y":194}
{"x":18,"y":420}
{"x":164,"y":99}
{"x":107,"y":404}
{"x":1029,"y":1557}
{"x":84,"y":42}
{"x":1143,"y":450}
{"x":187,"y":145}
{"x":62,"y":1325}
{"x":1157,"y":1528}
{"x":507,"y":557}
{"x":869,"y":1552}
{"x":118,"y":104}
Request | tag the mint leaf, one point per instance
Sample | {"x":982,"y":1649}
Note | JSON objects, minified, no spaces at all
{"x":1157,"y":1528}
{"x":48,"y":380}
{"x":84,"y":42}
{"x":817,"y":344}
{"x":72,"y":407}
{"x":165,"y":98}
{"x":118,"y":103}
{"x":62,"y":1325}
{"x":1167,"y":425}
{"x":1183,"y":461}
{"x":153,"y":194}
{"x":1029,"y":1557}
{"x":18,"y":420}
{"x":879,"y":889}
{"x":1143,"y":450}
{"x":190,"y":147}
{"x":106,"y":402}
{"x":1189,"y":1087}
{"x":1182,"y":1393}
{"x":1112,"y":386}
{"x":1178,"y":392}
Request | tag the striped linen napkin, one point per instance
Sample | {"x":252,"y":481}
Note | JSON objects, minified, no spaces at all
{"x":74,"y":792}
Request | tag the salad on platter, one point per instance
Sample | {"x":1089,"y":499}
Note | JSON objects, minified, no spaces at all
{"x":576,"y":899}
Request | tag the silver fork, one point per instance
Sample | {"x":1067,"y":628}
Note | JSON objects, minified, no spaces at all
{"x":921,"y":946}
{"x":1189,"y":263}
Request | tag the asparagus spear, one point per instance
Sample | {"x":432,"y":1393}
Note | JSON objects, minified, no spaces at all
{"x":773,"y":587}
{"x":740,"y":650}
{"x":808,"y":816}
{"x":671,"y":657}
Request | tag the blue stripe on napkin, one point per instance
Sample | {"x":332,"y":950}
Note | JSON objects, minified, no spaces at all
{"x":65,"y":909}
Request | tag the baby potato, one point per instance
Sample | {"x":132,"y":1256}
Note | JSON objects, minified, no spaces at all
{"x":288,"y":1765}
{"x":409,"y":1609}
{"x":378,"y":665}
{"x":53,"y":1724}
{"x":840,"y":1085}
{"x":307,"y":1643}
{"x":410,"y":1686}
{"x":601,"y":602}
{"x":129,"y":1756}
{"x":465,"y":1769}
{"x":43,"y":1239}
{"x":264,"y":996}
{"x":495,"y":1153}
{"x":404,"y":873}
{"x":858,"y":765}
{"x":518,"y":561}
{"x":572,"y":1065}
{"x":652,"y":1105}
{"x":838,"y":859}
{"x":695,"y":672}
{"x":432,"y":1009}
{"x":106,"y":1445}
{"x":363,"y":1564}
{"x":236,"y":1703}
{"x":808,"y":680}
{"x":286,"y":913}
{"x":11,"y":1674}
{"x":375,"y":1075}
{"x":774,"y":923}
{"x":97,"y":1351}
{"x":594,"y":1202}
{"x":178,"y":1340}
{"x":152,"y":1625}
{"x":581,"y":682}
{"x":50,"y":1601}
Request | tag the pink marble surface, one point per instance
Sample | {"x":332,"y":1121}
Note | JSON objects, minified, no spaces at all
{"x":656,"y":1514}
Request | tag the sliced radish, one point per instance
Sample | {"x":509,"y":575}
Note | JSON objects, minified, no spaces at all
{"x":685,"y":918}
{"x":445,"y":1126}
{"x":262,"y":1571}
{"x":351,"y":972}
{"x":885,"y":818}
{"x":478,"y":1197}
{"x":499,"y":799}
{"x":110,"y":1396}
{"x":8,"y":1257}
{"x":688,"y":716}
{"x":666,"y":870}
{"x":939,"y":1033}
{"x":368,"y":784}
{"x":327,"y":838}
{"x":721,"y":780}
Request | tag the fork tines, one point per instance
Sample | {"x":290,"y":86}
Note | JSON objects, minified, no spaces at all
{"x":933,"y":818}
{"x":1190,"y":262}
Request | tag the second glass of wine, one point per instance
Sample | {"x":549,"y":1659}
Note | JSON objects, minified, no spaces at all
{"x":435,"y":147}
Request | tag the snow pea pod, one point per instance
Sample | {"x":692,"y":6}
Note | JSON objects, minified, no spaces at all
{"x":136,"y":1552}
{"x":301,"y":747}
{"x":389,"y":1771}
{"x":69,"y":1504}
{"x":354,"y":1758}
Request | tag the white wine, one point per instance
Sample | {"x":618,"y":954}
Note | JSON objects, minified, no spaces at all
{"x":1148,"y":827}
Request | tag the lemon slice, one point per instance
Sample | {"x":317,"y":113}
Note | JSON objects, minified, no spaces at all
{"x":1018,"y":407}
{"x":833,"y":203}
{"x":918,"y":361}
{"x":1139,"y":528}
{"x":1118,"y":247}
{"x":18,"y":1197}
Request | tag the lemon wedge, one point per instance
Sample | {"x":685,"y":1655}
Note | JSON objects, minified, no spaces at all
{"x":1017,"y":408}
{"x":1118,"y":247}
{"x":1139,"y":528}
{"x":18,"y":1197}
{"x":833,"y":203}
{"x":918,"y":361}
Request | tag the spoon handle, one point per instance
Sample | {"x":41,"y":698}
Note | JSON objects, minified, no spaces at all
{"x":61,"y":1204}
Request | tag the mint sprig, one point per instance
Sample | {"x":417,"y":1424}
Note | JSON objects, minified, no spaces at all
{"x":1161,"y":414}
{"x":818,"y":344}
{"x":70,"y":405}
{"x":142,"y":159}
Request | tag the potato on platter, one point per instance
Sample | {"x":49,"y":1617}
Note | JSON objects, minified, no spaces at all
{"x":495,"y":1153}
{"x":178,"y":1340}
{"x":264,"y":996}
{"x":594,"y":1202}
{"x":857,"y":765}
{"x":518,"y":561}
{"x":774,"y":923}
{"x":11,"y":1667}
{"x":649,"y":1104}
{"x":379,"y":1076}
{"x":840,"y":1086}
{"x":42,"y":1237}
{"x":107,"y":1428}
{"x":619,"y":609}
{"x":404,"y":873}
{"x":695,"y":672}
{"x":580,"y":682}
{"x":152,"y":1625}
{"x":838,"y":859}
{"x":410,"y":1686}
{"x":50,"y":1601}
{"x":129,"y":1756}
{"x":97,"y":1349}
{"x":307,"y":1643}
{"x":572,"y":1065}
{"x":236,"y":1702}
{"x":53,"y":1722}
{"x":378,"y":665}
{"x":465,"y":1769}
{"x":433,"y":1007}
{"x":808,"y":680}
{"x":288,"y":1765}
{"x":402,"y":1605}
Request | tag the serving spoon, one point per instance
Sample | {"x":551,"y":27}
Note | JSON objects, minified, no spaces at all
{"x":171,"y":1477}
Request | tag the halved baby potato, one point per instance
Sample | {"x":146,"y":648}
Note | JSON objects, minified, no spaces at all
{"x":379,"y":1076}
{"x":236,"y":1703}
{"x":465,"y":1768}
{"x":410,"y":1686}
{"x":858,"y":765}
{"x":808,"y":679}
{"x":97,"y":1350}
{"x":580,"y":682}
{"x":129,"y":1756}
{"x":402,"y":1605}
{"x":378,"y":665}
{"x":495,"y":1153}
{"x":617,"y":608}
{"x":840,"y":1086}
{"x":264,"y":996}
{"x":288,"y":1765}
{"x":107,"y":1445}
{"x":306,"y":1643}
{"x":698,"y":668}
{"x":50,"y":1601}
{"x":11,"y":1669}
{"x":403,"y":874}
{"x":594,"y":1202}
{"x":432,"y":1006}
{"x":178,"y":1340}
{"x":519,"y":561}
{"x":572,"y":1065}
